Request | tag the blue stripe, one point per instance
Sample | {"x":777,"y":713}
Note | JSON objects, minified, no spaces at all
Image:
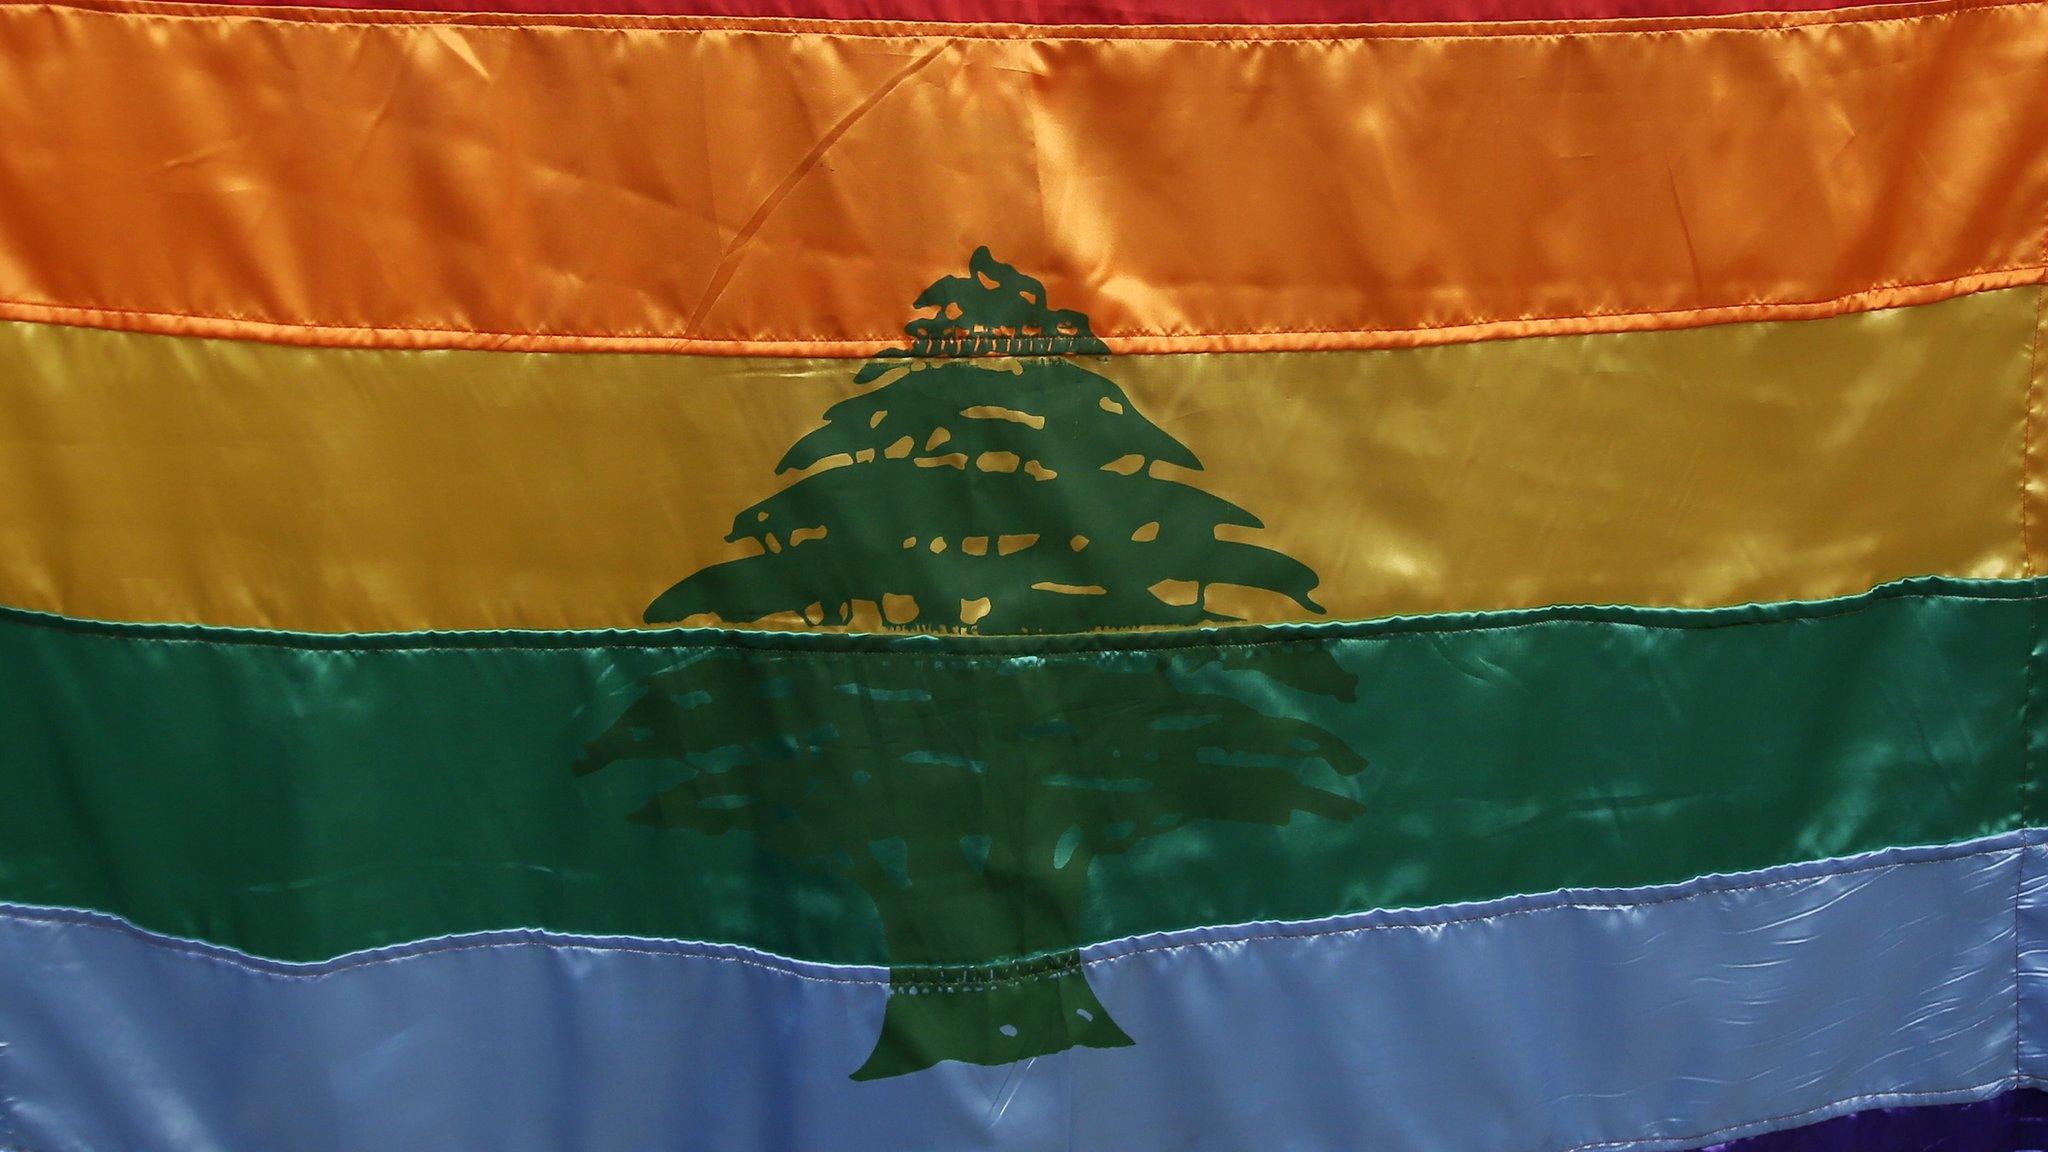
{"x":1662,"y":1017}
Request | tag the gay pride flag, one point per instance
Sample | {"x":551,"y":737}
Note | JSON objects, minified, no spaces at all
{"x":1106,"y":575}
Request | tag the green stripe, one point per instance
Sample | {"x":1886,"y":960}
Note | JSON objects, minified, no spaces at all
{"x":303,"y":796}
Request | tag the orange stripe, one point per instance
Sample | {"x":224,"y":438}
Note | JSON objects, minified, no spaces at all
{"x":786,"y":188}
{"x":1784,"y":16}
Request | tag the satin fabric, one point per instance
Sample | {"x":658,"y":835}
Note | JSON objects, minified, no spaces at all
{"x":2032,"y":925}
{"x":305,"y":796}
{"x":1127,"y":11}
{"x":246,"y":484}
{"x":602,"y":182}
{"x":1650,"y":1019}
{"x":2012,"y":1122}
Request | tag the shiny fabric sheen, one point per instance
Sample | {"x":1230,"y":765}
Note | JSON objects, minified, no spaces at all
{"x":2011,"y":1122}
{"x":600,"y":182}
{"x":1125,"y":11}
{"x":302,"y":796}
{"x":242,"y":484}
{"x":1653,"y":1019}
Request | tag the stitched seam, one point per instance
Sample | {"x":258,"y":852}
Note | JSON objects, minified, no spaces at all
{"x":2032,"y":273}
{"x":1575,"y":907}
{"x":933,"y":647}
{"x":320,"y":970}
{"x":2019,"y":881}
{"x":1992,"y":1087}
{"x":2029,"y":403}
{"x":2029,"y":657}
{"x":1752,"y":23}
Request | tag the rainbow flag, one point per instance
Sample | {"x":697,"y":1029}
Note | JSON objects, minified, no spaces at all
{"x":954,"y":575}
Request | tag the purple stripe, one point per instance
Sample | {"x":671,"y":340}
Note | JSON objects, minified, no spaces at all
{"x":2012,"y":1122}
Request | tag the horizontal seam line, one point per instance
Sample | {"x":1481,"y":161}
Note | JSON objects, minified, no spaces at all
{"x":1702,"y":891}
{"x":2002,"y":1084}
{"x":888,"y":340}
{"x":2013,"y":843}
{"x":1757,"y":22}
{"x":814,"y":645}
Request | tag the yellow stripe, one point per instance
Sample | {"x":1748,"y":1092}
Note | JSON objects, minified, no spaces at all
{"x":162,"y":478}
{"x":402,"y":179}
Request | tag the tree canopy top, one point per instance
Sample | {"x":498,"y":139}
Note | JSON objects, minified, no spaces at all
{"x":994,"y":310}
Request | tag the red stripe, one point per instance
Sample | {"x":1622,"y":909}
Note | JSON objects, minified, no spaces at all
{"x":1119,"y":11}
